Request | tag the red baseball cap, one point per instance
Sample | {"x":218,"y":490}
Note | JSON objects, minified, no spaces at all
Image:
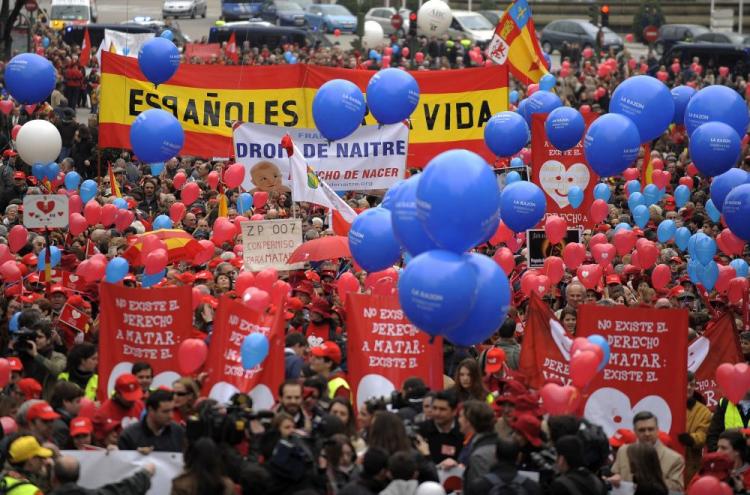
{"x":623,"y":436}
{"x":41,"y":410}
{"x":19,"y":175}
{"x":329,"y":350}
{"x":494,"y":360}
{"x":128,"y":387}
{"x":529,"y":427}
{"x":57,"y":288}
{"x":81,"y":426}
{"x":30,"y":388}
{"x":15,"y":364}
{"x":613,"y":279}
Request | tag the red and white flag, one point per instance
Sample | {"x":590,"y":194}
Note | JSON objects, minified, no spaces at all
{"x":85,"y":57}
{"x":231,"y":49}
{"x":546,"y":347}
{"x":719,"y":344}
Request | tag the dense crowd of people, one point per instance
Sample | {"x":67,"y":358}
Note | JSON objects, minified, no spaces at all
{"x":486,"y":422}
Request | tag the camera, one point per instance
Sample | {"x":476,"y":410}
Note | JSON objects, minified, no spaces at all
{"x":222,"y":427}
{"x":24,"y":338}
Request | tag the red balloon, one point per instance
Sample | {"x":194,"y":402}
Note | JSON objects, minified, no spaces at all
{"x":260,"y":199}
{"x":243,"y":282}
{"x":405,"y":52}
{"x":14,"y":132}
{"x":687,"y":181}
{"x":630,"y":174}
{"x":554,"y":269}
{"x":705,"y":485}
{"x":726,"y":274}
{"x":603,"y":253}
{"x":238,"y":220}
{"x":583,"y":367}
{"x":74,"y":203}
{"x":177,"y":211}
{"x":9,"y":424}
{"x":661,"y":276}
{"x":557,"y":399}
{"x":629,"y":39}
{"x":528,"y":282}
{"x":191,"y":354}
{"x":502,"y":234}
{"x":734,"y":380}
{"x":234,"y":175}
{"x":582,"y":344}
{"x":599,"y":210}
{"x":6,"y":106}
{"x":123,"y":219}
{"x":624,"y":241}
{"x":597,"y":239}
{"x":732,"y":242}
{"x":648,"y":253}
{"x":256,"y":217}
{"x":736,"y":289}
{"x":156,"y":261}
{"x":660,"y":75}
{"x":4,"y":372}
{"x":77,"y":223}
{"x":206,"y":253}
{"x":505,"y":259}
{"x":543,"y":283}
{"x":223,"y":231}
{"x":588,"y":52}
{"x":533,"y":88}
{"x":92,"y":212}
{"x":725,"y":489}
{"x":419,"y":57}
{"x":179,"y":180}
{"x":10,"y":271}
{"x":197,"y":297}
{"x":256,"y":299}
{"x":151,"y":243}
{"x":108,"y":213}
{"x":5,"y":254}
{"x":585,"y":109}
{"x":692,"y":170}
{"x":573,"y":255}
{"x":589,"y":275}
{"x":382,"y":283}
{"x":723,"y":71}
{"x":556,"y":228}
{"x":662,"y":179}
{"x":280,"y":289}
{"x":346,"y":283}
{"x":17,"y":238}
{"x":264,"y":279}
{"x":190,"y":193}
{"x":213,"y":179}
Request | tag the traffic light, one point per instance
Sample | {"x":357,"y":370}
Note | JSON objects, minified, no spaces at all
{"x":412,"y":23}
{"x":604,"y":11}
{"x":593,"y":14}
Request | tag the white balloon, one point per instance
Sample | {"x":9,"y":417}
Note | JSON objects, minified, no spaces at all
{"x":434,"y":18}
{"x":373,"y":36}
{"x":38,"y":141}
{"x":430,"y":487}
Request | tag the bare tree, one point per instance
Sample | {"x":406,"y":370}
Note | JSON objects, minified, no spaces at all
{"x":8,"y":18}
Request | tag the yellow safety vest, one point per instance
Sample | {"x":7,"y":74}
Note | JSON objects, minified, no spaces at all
{"x":732,"y":416}
{"x":91,"y":385}
{"x":336,"y":383}
{"x":25,"y":487}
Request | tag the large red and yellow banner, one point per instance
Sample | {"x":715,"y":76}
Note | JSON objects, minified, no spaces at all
{"x":454,"y":105}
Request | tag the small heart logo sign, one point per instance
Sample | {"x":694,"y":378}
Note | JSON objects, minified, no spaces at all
{"x":75,"y":314}
{"x":556,"y":180}
{"x":73,"y":278}
{"x":32,"y":214}
{"x":60,"y":213}
{"x":585,"y":273}
{"x":611,"y":409}
{"x":45,"y":206}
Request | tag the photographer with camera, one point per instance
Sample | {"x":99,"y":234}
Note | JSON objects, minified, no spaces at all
{"x":35,"y":347}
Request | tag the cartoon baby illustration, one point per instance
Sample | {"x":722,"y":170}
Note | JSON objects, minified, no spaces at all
{"x":266,"y":176}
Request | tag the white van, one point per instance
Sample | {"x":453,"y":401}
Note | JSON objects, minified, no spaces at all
{"x":64,"y":12}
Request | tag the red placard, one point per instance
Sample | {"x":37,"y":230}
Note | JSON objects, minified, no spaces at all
{"x":646,"y":369}
{"x":385,"y":349}
{"x":226,"y":376}
{"x":555,"y":171}
{"x":142,"y":325}
{"x":204,"y":51}
{"x":718,"y":344}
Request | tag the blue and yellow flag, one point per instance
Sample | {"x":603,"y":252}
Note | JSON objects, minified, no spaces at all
{"x":516,"y":44}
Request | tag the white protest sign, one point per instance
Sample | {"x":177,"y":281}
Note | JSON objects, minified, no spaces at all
{"x":45,"y":211}
{"x":269,"y":243}
{"x":372,"y":158}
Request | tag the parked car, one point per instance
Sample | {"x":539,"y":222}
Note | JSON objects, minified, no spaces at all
{"x":184,"y":8}
{"x":282,"y":13}
{"x":472,"y":26}
{"x":491,"y":15}
{"x":729,"y":38}
{"x":328,"y":17}
{"x":237,"y":10}
{"x":578,"y":31}
{"x":711,"y":56}
{"x":383,"y":15}
{"x":180,"y":38}
{"x":669,"y":34}
{"x":260,"y":33}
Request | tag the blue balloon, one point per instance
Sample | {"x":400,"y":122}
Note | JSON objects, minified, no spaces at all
{"x":72,"y":180}
{"x":705,"y":249}
{"x":575,"y":196}
{"x":512,"y":177}
{"x":396,"y":49}
{"x":126,"y":51}
{"x":522,"y":205}
{"x":392,"y":95}
{"x":737,"y":211}
{"x":717,"y":104}
{"x":156,"y":168}
{"x":709,"y":274}
{"x":116,"y":270}
{"x":602,"y":343}
{"x":691,"y":243}
{"x":602,"y":191}
{"x":641,"y":215}
{"x":158,"y":59}
{"x":623,"y":226}
{"x":513,"y":97}
{"x":338,"y":109}
{"x":254,"y":350}
{"x":695,"y":270}
{"x":715,"y":148}
{"x":52,"y":170}
{"x":666,"y":230}
{"x":167,"y":35}
{"x":516,"y":162}
{"x":373,"y":54}
{"x":541,"y":102}
{"x":682,"y":237}
{"x":156,"y":136}
{"x":150,"y":280}
{"x":121,"y":203}
{"x":13,"y":323}
{"x":491,"y":306}
{"x":547,"y":82}
{"x":646,"y":101}
{"x":523,"y":110}
{"x":565,"y":127}
{"x":389,"y":198}
{"x":288,"y":55}
{"x":88,"y":190}
{"x":457,"y":200}
{"x":722,"y":184}
{"x":506,"y":133}
{"x":633,"y":186}
{"x":547,"y":60}
{"x":740,"y":267}
{"x":372,"y":242}
{"x":162,"y":222}
{"x":713,"y":212}
{"x":45,"y":42}
{"x":635,"y":199}
{"x":245,"y":202}
{"x":55,"y":256}
{"x":30,"y":78}
{"x":611,"y":144}
{"x":437,"y":290}
{"x":651,"y":194}
{"x":406,"y":226}
{"x":681,"y":96}
{"x":682,"y":195}
{"x":39,"y":171}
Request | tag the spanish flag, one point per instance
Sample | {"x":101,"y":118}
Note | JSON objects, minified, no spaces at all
{"x":516,"y":44}
{"x":647,"y":168}
{"x":113,"y":182}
